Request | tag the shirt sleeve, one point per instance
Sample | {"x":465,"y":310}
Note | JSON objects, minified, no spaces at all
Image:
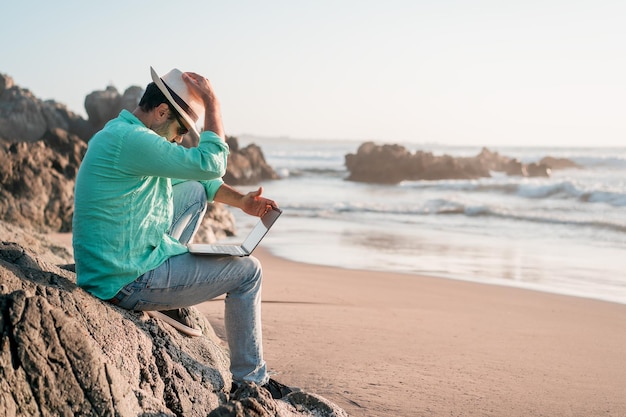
{"x":210,"y":186}
{"x":144,"y":153}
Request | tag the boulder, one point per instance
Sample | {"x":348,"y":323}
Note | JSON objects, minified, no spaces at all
{"x":64,"y":352}
{"x":387,"y":164}
{"x":538,"y":170}
{"x":558,"y":163}
{"x":247,"y":165}
{"x":25,"y":118}
{"x":38,"y":181}
{"x":104,"y":105}
{"x":391,"y":164}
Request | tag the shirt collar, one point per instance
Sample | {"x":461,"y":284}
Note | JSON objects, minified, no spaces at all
{"x":130,"y":118}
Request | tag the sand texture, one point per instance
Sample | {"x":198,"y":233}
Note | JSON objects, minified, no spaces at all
{"x":385,"y":344}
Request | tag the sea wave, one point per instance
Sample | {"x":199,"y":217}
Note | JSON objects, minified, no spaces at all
{"x":606,"y":161}
{"x":553,"y":220}
{"x":531,"y":190}
{"x":443,"y":207}
{"x":285,"y":172}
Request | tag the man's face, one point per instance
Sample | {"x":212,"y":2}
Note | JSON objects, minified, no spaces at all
{"x":173,"y":128}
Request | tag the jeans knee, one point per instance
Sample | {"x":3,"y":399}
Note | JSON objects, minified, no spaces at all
{"x":199,"y":193}
{"x":190,"y":191}
{"x":254,"y":275}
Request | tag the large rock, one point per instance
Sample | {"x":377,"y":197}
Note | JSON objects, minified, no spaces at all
{"x":247,"y":165}
{"x":38,"y":181}
{"x":104,"y":105}
{"x":25,"y":118}
{"x":558,"y":163}
{"x":65,"y":353}
{"x":391,"y":164}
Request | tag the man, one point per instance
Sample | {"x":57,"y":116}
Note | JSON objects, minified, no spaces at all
{"x":140,"y":197}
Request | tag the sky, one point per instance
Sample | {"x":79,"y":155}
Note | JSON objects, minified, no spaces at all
{"x":484,"y":72}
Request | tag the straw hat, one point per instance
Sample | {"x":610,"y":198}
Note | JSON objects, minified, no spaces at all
{"x":190,"y":107}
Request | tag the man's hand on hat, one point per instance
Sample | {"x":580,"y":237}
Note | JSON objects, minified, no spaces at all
{"x":201,"y":87}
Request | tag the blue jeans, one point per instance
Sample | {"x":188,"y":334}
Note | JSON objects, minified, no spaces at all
{"x":185,"y":280}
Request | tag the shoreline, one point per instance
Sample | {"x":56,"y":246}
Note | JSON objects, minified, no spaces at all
{"x":501,"y":282}
{"x":394,"y":344}
{"x":391,"y":344}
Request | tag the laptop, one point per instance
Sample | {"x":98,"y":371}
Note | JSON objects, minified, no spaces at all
{"x":253,"y":239}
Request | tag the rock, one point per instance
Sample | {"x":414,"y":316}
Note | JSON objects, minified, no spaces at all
{"x":104,"y":105}
{"x":558,"y":163}
{"x":391,"y":164}
{"x":63,"y":352}
{"x":387,"y":164}
{"x":514,"y":168}
{"x":38,"y":181}
{"x":538,"y":170}
{"x":217,"y":223}
{"x":25,"y":118}
{"x":247,"y":165}
{"x":66,"y":353}
{"x":250,"y":400}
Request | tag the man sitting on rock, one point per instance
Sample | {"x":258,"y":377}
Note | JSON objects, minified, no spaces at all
{"x":140,"y":197}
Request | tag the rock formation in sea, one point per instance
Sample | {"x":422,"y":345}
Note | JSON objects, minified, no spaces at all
{"x":392,"y":163}
{"x":42,"y":144}
{"x":64,"y":352}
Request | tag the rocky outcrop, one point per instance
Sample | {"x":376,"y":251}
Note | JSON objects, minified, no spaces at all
{"x":38,"y":181}
{"x":391,"y":164}
{"x":247,"y":165}
{"x":104,"y":105}
{"x":559,"y":163}
{"x":26,"y":118}
{"x":65,"y":353}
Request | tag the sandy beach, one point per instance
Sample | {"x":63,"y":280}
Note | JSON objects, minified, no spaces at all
{"x":382,"y":344}
{"x":385,"y":344}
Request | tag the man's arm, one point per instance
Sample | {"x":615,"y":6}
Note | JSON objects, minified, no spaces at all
{"x":251,"y":203}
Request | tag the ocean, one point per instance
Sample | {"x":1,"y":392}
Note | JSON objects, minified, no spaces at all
{"x":565,"y":234}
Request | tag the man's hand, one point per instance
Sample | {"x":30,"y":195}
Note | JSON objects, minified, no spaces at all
{"x":202,"y":87}
{"x":255,"y":205}
{"x":251,"y":203}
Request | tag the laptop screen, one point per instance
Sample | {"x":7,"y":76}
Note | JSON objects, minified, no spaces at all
{"x":260,"y":230}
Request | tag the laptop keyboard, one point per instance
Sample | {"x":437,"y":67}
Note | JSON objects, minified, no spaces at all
{"x":226,"y":249}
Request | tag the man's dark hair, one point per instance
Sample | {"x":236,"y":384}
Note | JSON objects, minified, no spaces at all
{"x":153,"y":97}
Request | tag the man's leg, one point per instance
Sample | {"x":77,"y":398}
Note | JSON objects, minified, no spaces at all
{"x":187,"y":280}
{"x":190,"y":204}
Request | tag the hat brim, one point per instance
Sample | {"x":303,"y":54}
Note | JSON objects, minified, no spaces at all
{"x":193,"y":130}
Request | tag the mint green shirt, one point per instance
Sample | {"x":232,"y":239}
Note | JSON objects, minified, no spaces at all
{"x":123,"y":200}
